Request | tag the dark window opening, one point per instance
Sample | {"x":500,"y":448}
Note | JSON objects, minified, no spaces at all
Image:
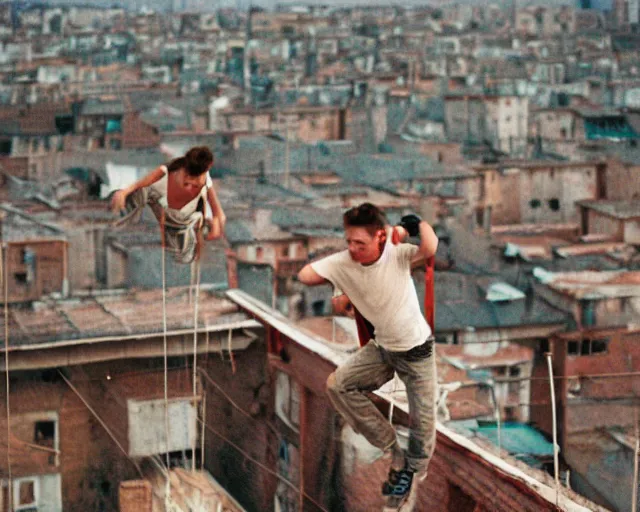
{"x":554,"y":204}
{"x":573,"y":348}
{"x":514,"y":371}
{"x":535,"y":203}
{"x":45,"y":433}
{"x":21,"y":278}
{"x":460,"y":501}
{"x":585,"y":348}
{"x":64,"y":124}
{"x":318,"y":307}
{"x":5,"y":147}
{"x":543,"y":346}
{"x":599,"y":346}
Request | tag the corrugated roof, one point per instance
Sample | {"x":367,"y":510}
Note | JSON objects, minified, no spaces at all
{"x":518,"y":439}
{"x":591,"y":285}
{"x":623,"y":210}
{"x":115,"y":314}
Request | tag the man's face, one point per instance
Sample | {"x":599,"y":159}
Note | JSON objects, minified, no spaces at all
{"x":364,"y":248}
{"x":191,"y":184}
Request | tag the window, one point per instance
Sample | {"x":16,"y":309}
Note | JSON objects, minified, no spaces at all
{"x":45,"y":434}
{"x":514,"y":371}
{"x":599,"y":346}
{"x":25,"y":494}
{"x":554,"y":204}
{"x":21,"y":278}
{"x":319,"y":307}
{"x":535,"y":203}
{"x":588,"y":347}
{"x":288,"y":400}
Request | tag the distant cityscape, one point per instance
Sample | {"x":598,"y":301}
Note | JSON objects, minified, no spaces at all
{"x":133,"y":382}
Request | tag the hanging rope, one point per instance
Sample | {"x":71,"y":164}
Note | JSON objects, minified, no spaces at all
{"x":164,"y":336}
{"x":5,"y":272}
{"x":195,"y":353}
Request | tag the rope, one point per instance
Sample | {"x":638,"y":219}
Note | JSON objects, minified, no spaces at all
{"x":195,"y":353}
{"x":164,"y":340}
{"x":5,"y":273}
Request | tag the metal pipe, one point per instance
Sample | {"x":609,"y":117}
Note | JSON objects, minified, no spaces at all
{"x":555,"y":428}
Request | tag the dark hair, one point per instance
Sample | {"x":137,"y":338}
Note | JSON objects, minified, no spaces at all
{"x":367,"y":216}
{"x":196,"y":161}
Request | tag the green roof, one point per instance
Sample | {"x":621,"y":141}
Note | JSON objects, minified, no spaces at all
{"x":518,"y":439}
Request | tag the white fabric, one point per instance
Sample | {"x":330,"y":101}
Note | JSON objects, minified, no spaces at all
{"x":158,"y":191}
{"x":383,"y":292}
{"x":118,"y":177}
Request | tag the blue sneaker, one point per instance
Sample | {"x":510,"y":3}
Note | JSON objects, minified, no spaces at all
{"x":398,"y":488}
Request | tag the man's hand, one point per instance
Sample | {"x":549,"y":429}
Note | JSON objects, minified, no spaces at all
{"x":214,"y":228}
{"x":118,"y":201}
{"x":411,"y":223}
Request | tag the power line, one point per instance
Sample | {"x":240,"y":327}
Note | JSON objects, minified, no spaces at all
{"x":259,"y":464}
{"x":100,"y":420}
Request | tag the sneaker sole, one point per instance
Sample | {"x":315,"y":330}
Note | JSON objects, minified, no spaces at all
{"x":407,"y":505}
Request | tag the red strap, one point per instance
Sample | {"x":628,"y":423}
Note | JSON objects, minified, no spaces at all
{"x":364,"y":331}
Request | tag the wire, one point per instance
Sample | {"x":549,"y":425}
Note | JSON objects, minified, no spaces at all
{"x":5,"y":274}
{"x":104,"y":425}
{"x":204,"y":373}
{"x":259,"y":464}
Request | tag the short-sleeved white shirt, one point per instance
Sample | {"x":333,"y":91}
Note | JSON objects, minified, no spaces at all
{"x":383,"y":292}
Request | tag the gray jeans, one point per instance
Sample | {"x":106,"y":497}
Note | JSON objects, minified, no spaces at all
{"x":367,"y":370}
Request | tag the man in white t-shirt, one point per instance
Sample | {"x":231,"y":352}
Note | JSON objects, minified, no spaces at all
{"x":376,"y":276}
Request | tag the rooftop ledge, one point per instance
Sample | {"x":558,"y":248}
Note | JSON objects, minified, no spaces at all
{"x":336,"y":355}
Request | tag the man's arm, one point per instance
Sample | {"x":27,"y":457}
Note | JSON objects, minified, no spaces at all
{"x":412,"y":225}
{"x":310,"y":277}
{"x":428,"y":240}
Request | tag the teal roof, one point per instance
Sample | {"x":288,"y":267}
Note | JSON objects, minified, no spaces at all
{"x":608,"y":128}
{"x":518,"y":439}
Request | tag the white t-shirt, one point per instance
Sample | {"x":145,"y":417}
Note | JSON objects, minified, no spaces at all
{"x":158,"y":191}
{"x":383,"y":292}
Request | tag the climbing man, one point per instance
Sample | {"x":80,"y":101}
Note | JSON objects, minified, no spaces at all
{"x":375,"y":273}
